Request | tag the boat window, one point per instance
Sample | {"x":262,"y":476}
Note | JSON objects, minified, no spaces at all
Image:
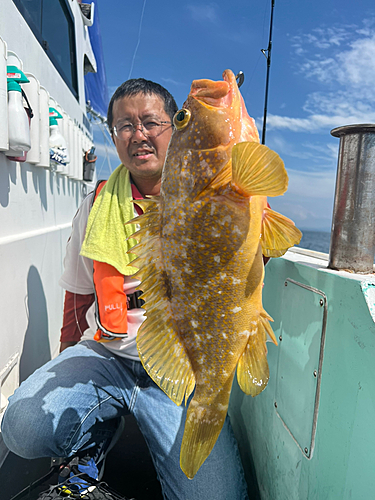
{"x":52,"y":23}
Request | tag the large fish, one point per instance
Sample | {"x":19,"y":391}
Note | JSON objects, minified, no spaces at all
{"x":200,"y":247}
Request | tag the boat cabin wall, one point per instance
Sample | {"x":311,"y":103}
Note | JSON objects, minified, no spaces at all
{"x":37,"y":203}
{"x":21,"y":40}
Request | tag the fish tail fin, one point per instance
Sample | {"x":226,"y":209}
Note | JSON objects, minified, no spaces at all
{"x":202,"y":428}
{"x":278,"y":234}
{"x":252,"y":368}
{"x":257,"y":170}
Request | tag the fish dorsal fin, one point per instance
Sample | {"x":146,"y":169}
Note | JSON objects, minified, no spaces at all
{"x":148,"y":204}
{"x":252,"y":368}
{"x":159,"y":346}
{"x":257,"y":170}
{"x":278,"y":234}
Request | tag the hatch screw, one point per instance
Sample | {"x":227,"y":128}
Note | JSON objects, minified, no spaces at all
{"x":321,"y":302}
{"x":280,"y":338}
{"x":275,"y":404}
{"x":306,"y":451}
{"x":315,"y":373}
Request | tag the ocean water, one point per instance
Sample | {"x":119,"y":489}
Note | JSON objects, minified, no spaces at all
{"x":315,"y":240}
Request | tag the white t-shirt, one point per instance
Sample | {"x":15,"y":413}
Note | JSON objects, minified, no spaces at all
{"x":78,"y":278}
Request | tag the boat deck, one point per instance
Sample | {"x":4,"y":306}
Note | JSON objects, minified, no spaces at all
{"x":129,"y":470}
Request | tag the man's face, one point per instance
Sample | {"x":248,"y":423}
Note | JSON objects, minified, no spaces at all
{"x":143,"y":156}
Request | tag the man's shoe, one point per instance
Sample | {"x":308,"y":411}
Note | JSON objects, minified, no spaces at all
{"x":71,"y":476}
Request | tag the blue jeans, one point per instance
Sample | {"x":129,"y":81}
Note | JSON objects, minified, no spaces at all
{"x":70,"y":404}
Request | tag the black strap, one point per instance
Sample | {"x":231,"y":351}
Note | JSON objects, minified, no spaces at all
{"x":28,"y":109}
{"x":134,"y":302}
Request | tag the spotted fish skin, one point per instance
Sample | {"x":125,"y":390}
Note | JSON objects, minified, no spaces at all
{"x":201,"y":266}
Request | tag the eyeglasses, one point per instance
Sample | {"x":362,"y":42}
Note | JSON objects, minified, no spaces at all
{"x":150,"y":128}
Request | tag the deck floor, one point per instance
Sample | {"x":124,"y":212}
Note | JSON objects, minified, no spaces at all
{"x":129,"y":470}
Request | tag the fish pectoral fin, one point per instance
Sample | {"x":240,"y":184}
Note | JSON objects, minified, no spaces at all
{"x":257,"y":170}
{"x":252,"y":368}
{"x":278,"y":233}
{"x":202,"y":428}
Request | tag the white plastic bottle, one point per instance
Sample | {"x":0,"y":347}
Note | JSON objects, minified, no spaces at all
{"x":18,"y":122}
{"x":58,"y":151}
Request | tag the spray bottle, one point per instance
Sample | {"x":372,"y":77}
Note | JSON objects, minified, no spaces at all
{"x":19,"y":120}
{"x":58,"y":151}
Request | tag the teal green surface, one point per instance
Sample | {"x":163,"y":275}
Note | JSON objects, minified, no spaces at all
{"x":300,"y":343}
{"x":342,"y":465}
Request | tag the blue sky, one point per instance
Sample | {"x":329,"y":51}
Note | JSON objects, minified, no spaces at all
{"x":322,"y":74}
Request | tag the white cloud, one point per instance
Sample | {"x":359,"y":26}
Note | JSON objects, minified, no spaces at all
{"x":173,"y":82}
{"x":325,"y":151}
{"x":353,"y":68}
{"x":322,"y":154}
{"x":112,"y":89}
{"x":204,"y":13}
{"x":317,"y":185}
{"x":106,"y":150}
{"x":318,"y":122}
{"x":322,"y":38}
{"x":347,"y":71}
{"x":308,"y":200}
{"x":341,"y":63}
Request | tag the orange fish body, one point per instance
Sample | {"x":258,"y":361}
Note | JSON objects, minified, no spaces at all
{"x":201,"y":266}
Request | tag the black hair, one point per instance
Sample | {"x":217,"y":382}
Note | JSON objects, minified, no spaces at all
{"x":141,"y":86}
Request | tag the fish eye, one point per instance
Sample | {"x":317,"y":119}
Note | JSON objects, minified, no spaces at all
{"x":181,"y":118}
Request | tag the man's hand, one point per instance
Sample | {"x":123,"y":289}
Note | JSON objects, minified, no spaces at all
{"x":64,"y":345}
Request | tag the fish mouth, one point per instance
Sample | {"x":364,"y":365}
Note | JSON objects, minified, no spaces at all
{"x":219,"y":94}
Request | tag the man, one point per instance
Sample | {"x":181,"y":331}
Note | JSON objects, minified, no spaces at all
{"x":73,"y":404}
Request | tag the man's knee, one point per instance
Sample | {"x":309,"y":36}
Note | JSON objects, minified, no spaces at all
{"x":26,"y":431}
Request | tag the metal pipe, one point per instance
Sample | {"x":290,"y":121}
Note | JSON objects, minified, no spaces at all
{"x":353,"y":224}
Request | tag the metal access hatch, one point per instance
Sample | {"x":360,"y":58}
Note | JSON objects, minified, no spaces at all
{"x":300,"y":356}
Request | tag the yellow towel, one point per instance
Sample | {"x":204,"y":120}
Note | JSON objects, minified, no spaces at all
{"x":106,"y":238}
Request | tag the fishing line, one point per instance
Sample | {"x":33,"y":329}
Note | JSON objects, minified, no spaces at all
{"x":248,"y":80}
{"x":75,"y":294}
{"x":104,"y":130}
{"x":107,"y":154}
{"x":139,"y":39}
{"x":264,"y":20}
{"x":107,"y":143}
{"x":247,"y":88}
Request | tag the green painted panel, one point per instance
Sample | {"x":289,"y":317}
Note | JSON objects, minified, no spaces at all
{"x":343,"y":463}
{"x":299,"y":360}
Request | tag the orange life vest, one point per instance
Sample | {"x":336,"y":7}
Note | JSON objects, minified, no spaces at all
{"x":111,"y":301}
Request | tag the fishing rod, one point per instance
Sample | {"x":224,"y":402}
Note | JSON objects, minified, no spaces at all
{"x":268,"y":57}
